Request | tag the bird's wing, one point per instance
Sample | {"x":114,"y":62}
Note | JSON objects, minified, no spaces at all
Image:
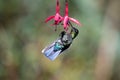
{"x":49,"y":51}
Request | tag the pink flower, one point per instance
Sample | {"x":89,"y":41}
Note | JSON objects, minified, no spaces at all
{"x":57,"y":17}
{"x":66,"y":18}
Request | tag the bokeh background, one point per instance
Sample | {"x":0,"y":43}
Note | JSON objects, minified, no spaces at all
{"x":94,"y":54}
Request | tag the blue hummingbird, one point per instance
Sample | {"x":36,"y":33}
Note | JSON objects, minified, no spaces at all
{"x":61,"y":44}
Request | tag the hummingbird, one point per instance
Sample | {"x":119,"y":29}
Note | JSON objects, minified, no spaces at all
{"x":61,"y":44}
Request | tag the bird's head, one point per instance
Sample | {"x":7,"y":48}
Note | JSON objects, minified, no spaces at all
{"x":74,"y":32}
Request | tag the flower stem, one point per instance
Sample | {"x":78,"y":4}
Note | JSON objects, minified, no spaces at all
{"x":66,"y":7}
{"x":57,"y":6}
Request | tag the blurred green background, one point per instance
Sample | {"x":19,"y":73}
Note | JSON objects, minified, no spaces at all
{"x":94,"y":54}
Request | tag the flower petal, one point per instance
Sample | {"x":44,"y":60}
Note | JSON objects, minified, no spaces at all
{"x":75,"y":21}
{"x":65,"y":22}
{"x":49,"y":18}
{"x":56,"y":18}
